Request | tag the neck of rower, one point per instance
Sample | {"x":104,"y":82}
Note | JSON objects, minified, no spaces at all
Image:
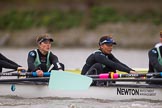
{"x":43,"y":52}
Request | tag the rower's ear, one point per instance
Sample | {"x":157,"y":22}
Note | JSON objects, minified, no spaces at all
{"x":101,"y":46}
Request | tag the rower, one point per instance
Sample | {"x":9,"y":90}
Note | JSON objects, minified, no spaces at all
{"x":42,"y":59}
{"x":103,"y":61}
{"x":155,"y":57}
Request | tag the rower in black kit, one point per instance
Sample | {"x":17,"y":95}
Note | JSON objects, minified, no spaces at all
{"x":103,"y":61}
{"x":53,"y":59}
{"x":155,"y":60}
{"x":42,"y":60}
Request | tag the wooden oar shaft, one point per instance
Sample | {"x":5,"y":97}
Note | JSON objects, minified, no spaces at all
{"x":33,"y":74}
{"x":116,"y":75}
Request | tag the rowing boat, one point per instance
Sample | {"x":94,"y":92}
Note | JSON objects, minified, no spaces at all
{"x":127,"y":89}
{"x":118,"y":91}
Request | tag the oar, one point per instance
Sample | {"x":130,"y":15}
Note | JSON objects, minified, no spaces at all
{"x":53,"y":84}
{"x":33,"y":74}
{"x":43,"y":79}
{"x":9,"y":71}
{"x":61,"y":80}
{"x":131,"y":80}
{"x":116,"y":75}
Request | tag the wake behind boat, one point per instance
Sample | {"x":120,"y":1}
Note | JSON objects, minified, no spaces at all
{"x":123,"y":89}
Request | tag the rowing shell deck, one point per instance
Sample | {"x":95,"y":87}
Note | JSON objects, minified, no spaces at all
{"x":112,"y":92}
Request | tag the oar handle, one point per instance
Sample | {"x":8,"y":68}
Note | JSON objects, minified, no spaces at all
{"x":116,"y":75}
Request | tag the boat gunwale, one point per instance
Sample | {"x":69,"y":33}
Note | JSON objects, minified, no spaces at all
{"x":133,"y":85}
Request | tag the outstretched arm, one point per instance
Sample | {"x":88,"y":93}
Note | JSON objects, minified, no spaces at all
{"x":2,"y":57}
{"x":112,"y":64}
{"x":7,"y":63}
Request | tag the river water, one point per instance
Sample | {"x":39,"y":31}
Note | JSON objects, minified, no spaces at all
{"x":75,"y":59}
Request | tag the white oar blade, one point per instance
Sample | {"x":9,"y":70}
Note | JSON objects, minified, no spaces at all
{"x":61,"y":80}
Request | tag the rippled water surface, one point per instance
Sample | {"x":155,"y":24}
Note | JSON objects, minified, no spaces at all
{"x":17,"y":102}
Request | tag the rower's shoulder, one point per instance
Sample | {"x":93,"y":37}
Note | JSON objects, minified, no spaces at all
{"x":32,"y":53}
{"x":158,"y":45}
{"x":153,"y":50}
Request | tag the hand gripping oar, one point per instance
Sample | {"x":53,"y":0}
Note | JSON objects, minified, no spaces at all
{"x":61,"y":80}
{"x":116,"y":75}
